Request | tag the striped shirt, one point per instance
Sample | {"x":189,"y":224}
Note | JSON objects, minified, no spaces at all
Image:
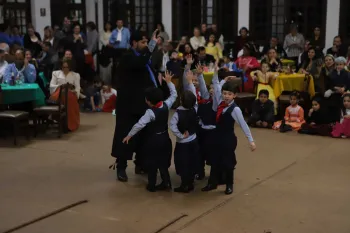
{"x":294,"y":45}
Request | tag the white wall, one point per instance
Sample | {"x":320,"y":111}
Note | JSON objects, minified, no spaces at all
{"x":332,"y":23}
{"x":167,"y":16}
{"x":40,"y":22}
{"x":100,"y":15}
{"x":243,"y":13}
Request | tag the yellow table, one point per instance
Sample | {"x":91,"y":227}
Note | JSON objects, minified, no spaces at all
{"x":290,"y":82}
{"x":208,"y":76}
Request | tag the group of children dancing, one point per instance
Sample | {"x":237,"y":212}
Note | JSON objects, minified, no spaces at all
{"x":204,"y":129}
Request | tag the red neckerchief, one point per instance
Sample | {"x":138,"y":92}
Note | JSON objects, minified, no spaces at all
{"x":158,"y":105}
{"x":200,"y":100}
{"x":221,"y":108}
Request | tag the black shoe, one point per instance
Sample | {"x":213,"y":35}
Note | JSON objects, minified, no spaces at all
{"x":229,"y":189}
{"x":151,"y":188}
{"x":209,"y":187}
{"x":164,"y":186}
{"x":121,"y":175}
{"x":139,"y":170}
{"x":184,"y":189}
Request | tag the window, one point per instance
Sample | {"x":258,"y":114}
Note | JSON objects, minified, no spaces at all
{"x":188,"y":14}
{"x":260,"y":20}
{"x":68,"y":8}
{"x":15,"y":12}
{"x":344,"y":20}
{"x":134,"y":12}
{"x":281,"y":13}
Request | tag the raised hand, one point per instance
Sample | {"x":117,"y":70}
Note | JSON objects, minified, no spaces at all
{"x":189,"y":59}
{"x":168,"y":76}
{"x":199,"y":69}
{"x":189,"y":76}
{"x":154,"y":35}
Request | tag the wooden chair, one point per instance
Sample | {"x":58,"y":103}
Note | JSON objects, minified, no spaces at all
{"x":14,"y":118}
{"x":58,"y":111}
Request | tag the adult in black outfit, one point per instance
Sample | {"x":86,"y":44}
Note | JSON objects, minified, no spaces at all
{"x":134,"y":75}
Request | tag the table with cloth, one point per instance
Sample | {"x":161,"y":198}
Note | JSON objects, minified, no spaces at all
{"x":26,"y":92}
{"x":290,"y":82}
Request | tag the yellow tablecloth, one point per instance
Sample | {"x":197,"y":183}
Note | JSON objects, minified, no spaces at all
{"x":286,"y":62}
{"x":208,"y":76}
{"x":290,"y":82}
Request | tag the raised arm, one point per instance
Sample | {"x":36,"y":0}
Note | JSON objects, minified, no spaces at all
{"x":191,"y":88}
{"x":144,"y":120}
{"x":189,"y":62}
{"x":202,"y":85}
{"x":173,"y":94}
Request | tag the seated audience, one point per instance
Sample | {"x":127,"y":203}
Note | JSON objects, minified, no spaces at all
{"x":274,"y":44}
{"x":318,"y":121}
{"x":203,"y":57}
{"x":47,"y":59}
{"x":15,"y":35}
{"x":213,"y":47}
{"x":326,"y":70}
{"x":4,"y":36}
{"x":248,"y":63}
{"x":68,"y":55}
{"x":108,"y":98}
{"x":32,"y":41}
{"x":294,"y":43}
{"x":339,"y":49}
{"x":339,"y":84}
{"x":181,"y":45}
{"x":342,"y":128}
{"x":3,"y":64}
{"x":241,"y":40}
{"x":21,"y":70}
{"x":92,"y":93}
{"x":264,"y":77}
{"x":272,"y":59}
{"x":312,"y":66}
{"x":294,"y":116}
{"x":316,"y":41}
{"x":229,"y":65}
{"x":262,"y":111}
{"x":197,"y":40}
{"x":174,"y":65}
{"x":66,"y":76}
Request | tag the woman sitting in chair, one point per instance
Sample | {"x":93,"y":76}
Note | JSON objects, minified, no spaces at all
{"x":61,"y":78}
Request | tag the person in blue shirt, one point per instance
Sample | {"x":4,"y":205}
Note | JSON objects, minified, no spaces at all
{"x":120,"y":38}
{"x":15,"y":36}
{"x":21,"y":69}
{"x":4,"y":36}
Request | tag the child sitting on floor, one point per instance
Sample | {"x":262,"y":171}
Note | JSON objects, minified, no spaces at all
{"x":108,"y":98}
{"x":294,"y":116}
{"x":263,"y":111}
{"x":342,"y":129}
{"x":318,"y":121}
{"x":263,"y":77}
{"x":92,"y":92}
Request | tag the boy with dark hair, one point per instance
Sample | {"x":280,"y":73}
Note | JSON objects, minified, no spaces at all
{"x":225,"y":140}
{"x":262,"y":111}
{"x":157,"y":146}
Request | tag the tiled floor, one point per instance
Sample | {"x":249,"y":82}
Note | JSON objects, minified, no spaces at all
{"x":292,"y":183}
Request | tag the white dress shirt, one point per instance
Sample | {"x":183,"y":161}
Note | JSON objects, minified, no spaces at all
{"x":3,"y":66}
{"x":119,"y":35}
{"x":59,"y":78}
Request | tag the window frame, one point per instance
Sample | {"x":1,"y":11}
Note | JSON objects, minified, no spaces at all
{"x":14,"y":6}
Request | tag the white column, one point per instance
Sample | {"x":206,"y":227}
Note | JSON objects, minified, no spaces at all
{"x":38,"y":21}
{"x":243,"y":13}
{"x":100,"y":15}
{"x":167,"y":17}
{"x":332,"y":22}
{"x":90,"y":10}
